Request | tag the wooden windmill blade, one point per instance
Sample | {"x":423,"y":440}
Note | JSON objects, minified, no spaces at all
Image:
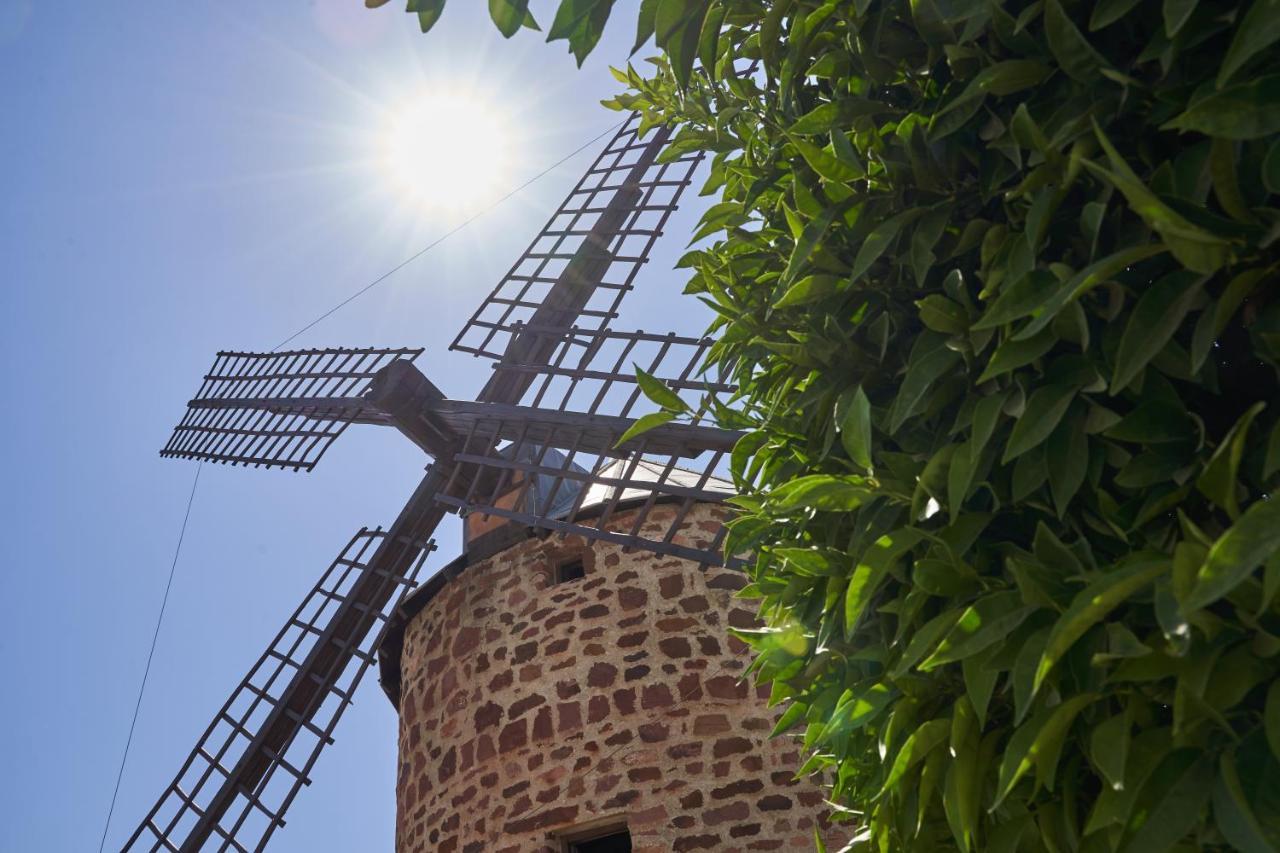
{"x":232,"y":791}
{"x":586,"y":258}
{"x":555,"y":462}
{"x":281,"y":409}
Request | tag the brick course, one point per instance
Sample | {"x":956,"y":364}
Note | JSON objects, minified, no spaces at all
{"x":529,"y":708}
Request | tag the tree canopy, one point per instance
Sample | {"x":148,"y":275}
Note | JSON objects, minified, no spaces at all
{"x":997,"y":283}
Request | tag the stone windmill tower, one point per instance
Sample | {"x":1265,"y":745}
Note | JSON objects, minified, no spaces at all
{"x":568,"y":682}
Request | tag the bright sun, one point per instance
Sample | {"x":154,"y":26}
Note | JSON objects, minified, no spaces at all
{"x":446,"y":152}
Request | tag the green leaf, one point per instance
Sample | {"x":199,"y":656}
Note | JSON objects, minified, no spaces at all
{"x":1170,"y":804}
{"x":984,"y":623}
{"x":825,"y":163}
{"x":1013,"y":354}
{"x":1218,"y":481}
{"x":1107,"y":12}
{"x":1194,"y":247}
{"x":1023,"y":674}
{"x":1249,"y":110}
{"x":659,"y":392}
{"x":1160,"y":310}
{"x":879,"y":240}
{"x":922,"y":741}
{"x":1069,"y":46}
{"x":1231,"y":810}
{"x":1002,"y":78}
{"x":855,"y":427}
{"x":979,"y":682}
{"x":821,"y":492}
{"x":1044,"y":410}
{"x":508,"y":15}
{"x":1242,"y":548}
{"x":1067,"y":452}
{"x":429,"y":11}
{"x":925,"y":368}
{"x":1039,"y":739}
{"x":1176,"y":14}
{"x":1271,"y":169}
{"x":645,"y":424}
{"x":809,"y":239}
{"x":871,"y":570}
{"x":1257,"y":30}
{"x":1109,"y":748}
{"x":809,"y":289}
{"x":1213,"y":322}
{"x":1094,"y":602}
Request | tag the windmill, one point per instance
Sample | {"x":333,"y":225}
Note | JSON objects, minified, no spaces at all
{"x":539,"y":446}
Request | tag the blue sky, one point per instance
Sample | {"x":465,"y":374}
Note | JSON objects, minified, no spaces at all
{"x":180,"y":178}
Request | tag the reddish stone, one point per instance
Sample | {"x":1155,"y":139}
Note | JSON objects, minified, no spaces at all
{"x":625,"y":701}
{"x":709,"y":646}
{"x":514,"y":736}
{"x":570,"y":714}
{"x":726,"y":687}
{"x":628,"y":640}
{"x":487,"y":715}
{"x":636,"y":672}
{"x":466,"y":642}
{"x":602,"y":674}
{"x":525,"y":652}
{"x":671,"y":586}
{"x":710,"y":724}
{"x":675,"y":647}
{"x":733,"y":789}
{"x":542,"y":727}
{"x":731,"y":746}
{"x":733,"y":811}
{"x":631,"y":597}
{"x":566,"y":689}
{"x":653,"y":732}
{"x":528,"y":703}
{"x":695,"y":604}
{"x":595,"y":611}
{"x":644,"y":774}
{"x":773,"y":803}
{"x":597,"y":709}
{"x":656,"y":696}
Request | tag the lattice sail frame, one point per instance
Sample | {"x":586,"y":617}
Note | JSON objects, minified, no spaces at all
{"x":593,"y":373}
{"x":279,"y":409}
{"x":624,"y":166}
{"x":255,"y":814}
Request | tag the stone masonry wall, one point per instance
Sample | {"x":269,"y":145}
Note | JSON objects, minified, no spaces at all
{"x":529,"y":708}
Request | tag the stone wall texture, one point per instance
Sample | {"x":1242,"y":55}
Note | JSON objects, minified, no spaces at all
{"x":530,"y":708}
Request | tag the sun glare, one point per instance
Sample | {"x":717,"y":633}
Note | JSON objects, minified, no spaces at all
{"x":446,"y":152}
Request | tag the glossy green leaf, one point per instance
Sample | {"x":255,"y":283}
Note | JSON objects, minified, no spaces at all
{"x":1248,"y":110}
{"x":871,"y":570}
{"x":984,"y":623}
{"x":1072,"y":50}
{"x":1160,"y":310}
{"x":855,"y":427}
{"x":917,"y":747}
{"x":1237,"y":553}
{"x":658,"y":391}
{"x":1044,"y":410}
{"x":1093,"y":603}
{"x":644,"y":424}
{"x":1257,"y":30}
{"x":1218,"y":482}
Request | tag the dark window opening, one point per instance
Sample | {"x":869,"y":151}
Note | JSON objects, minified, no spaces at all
{"x":571,"y":571}
{"x":617,"y":842}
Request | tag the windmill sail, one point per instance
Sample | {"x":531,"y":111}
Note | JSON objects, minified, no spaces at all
{"x":586,"y":258}
{"x":278,"y":409}
{"x":562,"y":379}
{"x":234,"y":787}
{"x":581,"y":401}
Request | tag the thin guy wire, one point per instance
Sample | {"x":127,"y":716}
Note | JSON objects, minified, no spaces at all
{"x":575,"y":152}
{"x":182,"y":532}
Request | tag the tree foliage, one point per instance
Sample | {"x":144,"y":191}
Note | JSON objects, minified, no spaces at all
{"x":997,"y":282}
